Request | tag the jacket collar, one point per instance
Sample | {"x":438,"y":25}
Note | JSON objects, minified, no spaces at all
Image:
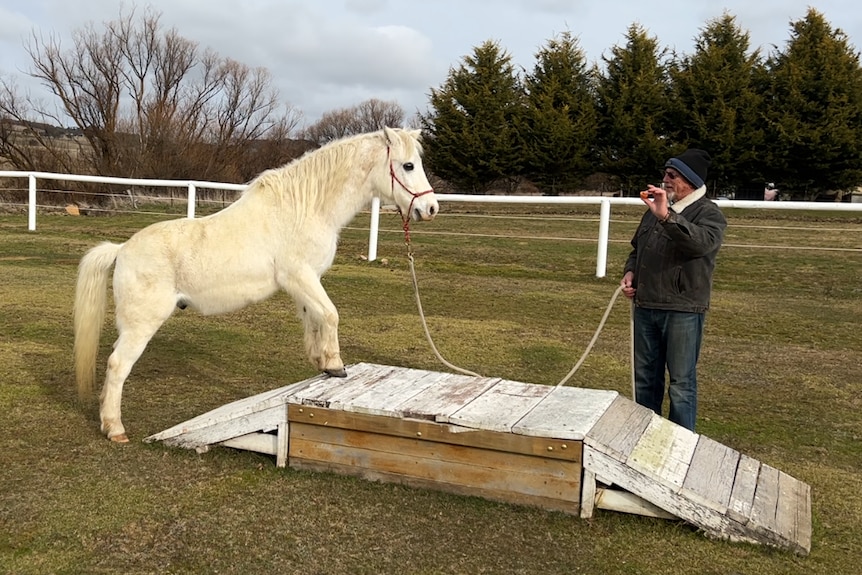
{"x":679,"y":206}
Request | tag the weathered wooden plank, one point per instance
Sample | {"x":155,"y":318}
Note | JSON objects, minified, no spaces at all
{"x":384,"y":397}
{"x":803,"y":518}
{"x":539,"y":475}
{"x":790,"y":493}
{"x":281,"y":449}
{"x":258,"y":442}
{"x":566,"y":413}
{"x":665,"y":497}
{"x":444,"y":464}
{"x":264,"y":420}
{"x":361,"y":384}
{"x":504,"y":496}
{"x":744,"y":484}
{"x":709,"y":480}
{"x":445,"y":397}
{"x":765,"y":504}
{"x":785,"y":509}
{"x":501,"y":406}
{"x":781,"y":510}
{"x":619,"y":428}
{"x":588,"y":494}
{"x":437,"y":432}
{"x":625,"y":502}
{"x":236,"y":409}
{"x":664,"y":451}
{"x":319,"y":390}
{"x":323,"y":391}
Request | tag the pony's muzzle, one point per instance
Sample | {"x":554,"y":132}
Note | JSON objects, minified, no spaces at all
{"x":426,"y":213}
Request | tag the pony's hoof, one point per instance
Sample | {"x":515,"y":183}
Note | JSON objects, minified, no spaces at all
{"x":121,"y":438}
{"x":341,"y":372}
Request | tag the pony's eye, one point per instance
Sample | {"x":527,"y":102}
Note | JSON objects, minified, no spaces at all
{"x":408,"y":167}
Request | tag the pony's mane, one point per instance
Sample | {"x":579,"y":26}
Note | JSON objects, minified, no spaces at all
{"x":300,"y":178}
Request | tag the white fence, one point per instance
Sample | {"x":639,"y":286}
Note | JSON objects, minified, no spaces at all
{"x":191,"y":186}
{"x":604,"y":203}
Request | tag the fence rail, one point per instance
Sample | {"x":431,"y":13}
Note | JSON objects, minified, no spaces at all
{"x":604,"y":203}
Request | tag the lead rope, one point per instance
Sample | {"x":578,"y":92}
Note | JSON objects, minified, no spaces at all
{"x":405,"y":220}
{"x":468,"y":372}
{"x":422,"y":317}
{"x":632,"y":348}
{"x":595,"y":337}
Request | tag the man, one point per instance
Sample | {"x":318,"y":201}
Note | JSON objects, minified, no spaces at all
{"x":668,"y":275}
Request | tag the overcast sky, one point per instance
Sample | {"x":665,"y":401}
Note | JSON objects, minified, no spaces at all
{"x":329,"y":54}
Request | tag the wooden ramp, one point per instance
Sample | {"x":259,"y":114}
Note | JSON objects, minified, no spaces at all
{"x":565,"y":449}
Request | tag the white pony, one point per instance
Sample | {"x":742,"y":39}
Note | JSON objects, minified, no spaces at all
{"x":281,"y":233}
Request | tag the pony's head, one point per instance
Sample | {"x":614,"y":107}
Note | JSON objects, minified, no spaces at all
{"x":407,"y":185}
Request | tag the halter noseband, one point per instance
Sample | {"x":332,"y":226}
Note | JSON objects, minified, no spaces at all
{"x":393,"y":179}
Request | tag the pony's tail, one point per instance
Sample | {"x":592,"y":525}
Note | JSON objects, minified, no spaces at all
{"x":91,"y":294}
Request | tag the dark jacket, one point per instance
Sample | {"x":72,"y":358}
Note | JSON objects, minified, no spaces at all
{"x":673,"y":261}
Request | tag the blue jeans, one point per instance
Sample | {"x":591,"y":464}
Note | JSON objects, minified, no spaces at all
{"x":667,"y":339}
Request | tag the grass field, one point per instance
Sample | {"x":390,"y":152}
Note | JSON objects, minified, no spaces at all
{"x":513,"y":296}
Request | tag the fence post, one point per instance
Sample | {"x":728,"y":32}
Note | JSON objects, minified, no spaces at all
{"x":604,"y":226}
{"x":375,"y":224}
{"x":190,"y":213}
{"x":31,"y":213}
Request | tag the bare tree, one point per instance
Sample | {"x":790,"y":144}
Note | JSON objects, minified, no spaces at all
{"x":86,"y":80}
{"x":369,"y":116}
{"x":374,"y":114}
{"x":277,"y":148}
{"x":149,"y":103}
{"x":20,"y":135}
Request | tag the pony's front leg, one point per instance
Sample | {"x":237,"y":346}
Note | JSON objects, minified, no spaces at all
{"x":321,"y":341}
{"x":320,"y":320}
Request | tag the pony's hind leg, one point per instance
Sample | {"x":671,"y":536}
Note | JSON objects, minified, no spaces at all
{"x":130,"y":344}
{"x":127,"y":350}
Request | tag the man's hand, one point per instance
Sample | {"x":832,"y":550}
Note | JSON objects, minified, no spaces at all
{"x":626,"y":282}
{"x":656,"y":200}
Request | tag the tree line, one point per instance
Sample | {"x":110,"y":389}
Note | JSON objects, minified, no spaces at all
{"x":146,"y":102}
{"x":792,"y":117}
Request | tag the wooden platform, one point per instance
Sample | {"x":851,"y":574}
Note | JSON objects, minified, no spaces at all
{"x":556,"y":448}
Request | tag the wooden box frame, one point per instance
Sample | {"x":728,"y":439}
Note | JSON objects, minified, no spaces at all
{"x":499,"y":466}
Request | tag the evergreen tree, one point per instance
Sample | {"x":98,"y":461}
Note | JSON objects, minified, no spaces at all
{"x":473,"y":130}
{"x":815,"y":110}
{"x":717,"y":105}
{"x":633,"y":103}
{"x":561,"y":117}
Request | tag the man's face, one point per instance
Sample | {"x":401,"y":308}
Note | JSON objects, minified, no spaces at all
{"x":677,"y":187}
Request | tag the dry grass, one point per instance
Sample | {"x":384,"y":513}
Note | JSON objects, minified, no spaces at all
{"x":780,"y":373}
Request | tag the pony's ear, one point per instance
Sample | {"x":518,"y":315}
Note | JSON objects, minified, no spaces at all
{"x":390,"y":136}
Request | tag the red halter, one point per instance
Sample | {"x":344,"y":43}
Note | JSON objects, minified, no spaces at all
{"x":394,"y":178}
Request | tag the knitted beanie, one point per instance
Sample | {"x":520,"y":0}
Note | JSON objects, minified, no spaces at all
{"x":692,"y":164}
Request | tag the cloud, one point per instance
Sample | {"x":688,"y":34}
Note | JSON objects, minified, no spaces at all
{"x":15,"y":27}
{"x":320,"y":62}
{"x":328,"y":54}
